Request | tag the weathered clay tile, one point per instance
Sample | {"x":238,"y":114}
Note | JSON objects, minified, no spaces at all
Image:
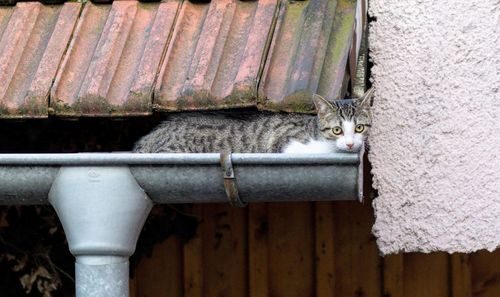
{"x":33,"y":38}
{"x":113,"y":59}
{"x":215,"y":56}
{"x":111,"y":1}
{"x":308,"y":54}
{"x":13,"y":2}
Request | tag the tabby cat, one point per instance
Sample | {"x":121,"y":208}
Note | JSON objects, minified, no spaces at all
{"x":341,"y":125}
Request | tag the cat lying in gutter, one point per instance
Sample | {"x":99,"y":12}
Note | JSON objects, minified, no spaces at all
{"x":340,"y":126}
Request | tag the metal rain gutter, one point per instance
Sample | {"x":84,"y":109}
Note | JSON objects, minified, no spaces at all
{"x":103,"y":199}
{"x":194,"y":178}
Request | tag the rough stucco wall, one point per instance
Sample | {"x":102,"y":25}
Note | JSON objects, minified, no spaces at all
{"x":435,"y":142}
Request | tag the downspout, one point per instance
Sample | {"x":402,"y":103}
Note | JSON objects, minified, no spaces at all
{"x":103,"y":199}
{"x":102,"y":210}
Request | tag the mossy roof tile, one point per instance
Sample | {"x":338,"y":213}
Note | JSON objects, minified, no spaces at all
{"x":129,"y":58}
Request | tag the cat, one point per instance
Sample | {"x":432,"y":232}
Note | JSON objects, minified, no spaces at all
{"x":339,"y":126}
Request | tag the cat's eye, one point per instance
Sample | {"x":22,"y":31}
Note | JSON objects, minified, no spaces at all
{"x":359,"y":128}
{"x":337,"y":130}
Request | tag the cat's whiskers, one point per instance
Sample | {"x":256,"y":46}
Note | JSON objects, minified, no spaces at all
{"x":333,"y":129}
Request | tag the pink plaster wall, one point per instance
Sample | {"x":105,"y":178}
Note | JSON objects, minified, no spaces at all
{"x":435,"y":142}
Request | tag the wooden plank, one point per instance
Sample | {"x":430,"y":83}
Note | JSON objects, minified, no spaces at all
{"x":325,"y":252}
{"x":426,"y":275}
{"x":291,"y":271}
{"x":357,"y":260}
{"x":460,"y":275}
{"x":393,"y":275}
{"x":132,"y":287}
{"x":224,"y":251}
{"x":485,"y":268}
{"x":258,"y":252}
{"x":193,"y":260}
{"x":161,"y":275}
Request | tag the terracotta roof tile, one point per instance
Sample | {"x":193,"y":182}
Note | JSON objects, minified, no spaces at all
{"x":215,"y":55}
{"x":111,"y":1}
{"x":13,"y":2}
{"x":112,"y":61}
{"x":308,"y":54}
{"x":33,"y":40}
{"x":128,"y":58}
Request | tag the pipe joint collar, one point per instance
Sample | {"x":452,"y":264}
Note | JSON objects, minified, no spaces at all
{"x":102,"y":209}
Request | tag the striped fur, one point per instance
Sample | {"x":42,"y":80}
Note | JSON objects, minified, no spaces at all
{"x":254,"y":133}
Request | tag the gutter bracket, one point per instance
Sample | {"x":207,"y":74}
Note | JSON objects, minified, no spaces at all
{"x":230,"y":181}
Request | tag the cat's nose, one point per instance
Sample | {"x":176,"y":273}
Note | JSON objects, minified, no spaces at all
{"x":349,"y":145}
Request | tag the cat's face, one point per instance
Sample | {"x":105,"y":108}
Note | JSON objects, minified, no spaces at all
{"x":346,"y":122}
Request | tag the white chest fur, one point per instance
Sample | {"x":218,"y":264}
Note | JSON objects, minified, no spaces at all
{"x":311,"y":147}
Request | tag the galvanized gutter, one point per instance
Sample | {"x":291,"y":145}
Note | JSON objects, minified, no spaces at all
{"x":193,"y":178}
{"x":103,"y":199}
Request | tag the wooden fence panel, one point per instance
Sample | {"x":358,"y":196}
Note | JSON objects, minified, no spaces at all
{"x":161,"y":275}
{"x":258,"y":251}
{"x":133,"y":287}
{"x":322,"y":249}
{"x":460,"y":276}
{"x":193,"y":259}
{"x":358,"y":264}
{"x":325,"y":250}
{"x":291,"y":272}
{"x":426,"y":275}
{"x":393,"y":276}
{"x":224,"y":251}
{"x":485,"y":268}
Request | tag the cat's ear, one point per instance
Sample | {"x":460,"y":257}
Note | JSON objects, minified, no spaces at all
{"x":322,"y":105}
{"x":365,"y":100}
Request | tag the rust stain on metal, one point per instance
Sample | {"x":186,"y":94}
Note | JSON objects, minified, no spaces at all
{"x":214,"y":57}
{"x":110,"y":66}
{"x":308,"y":54}
{"x":33,"y":38}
